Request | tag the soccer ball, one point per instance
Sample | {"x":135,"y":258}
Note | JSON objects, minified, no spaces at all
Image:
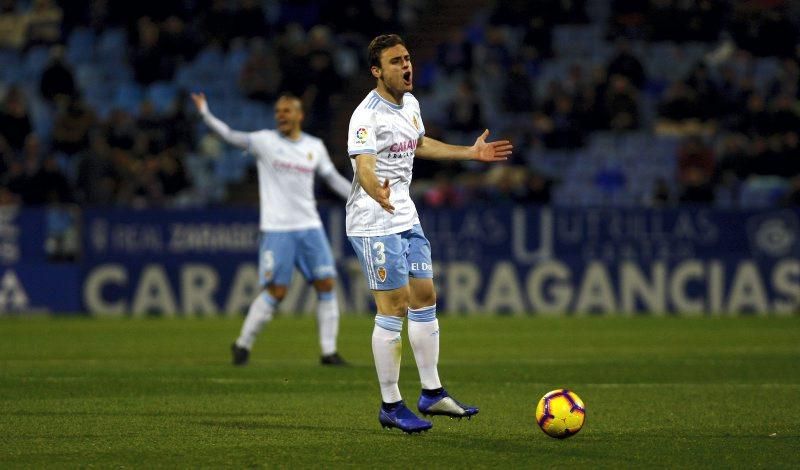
{"x":560,"y":413}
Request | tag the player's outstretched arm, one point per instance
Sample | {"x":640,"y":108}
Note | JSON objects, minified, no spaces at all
{"x":481,"y":150}
{"x":365,"y":172}
{"x":337,"y":183}
{"x":236,"y":138}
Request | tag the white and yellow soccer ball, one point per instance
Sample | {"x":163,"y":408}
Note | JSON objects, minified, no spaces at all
{"x":560,"y":413}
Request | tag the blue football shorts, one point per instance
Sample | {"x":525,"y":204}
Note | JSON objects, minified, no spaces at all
{"x":388,"y":260}
{"x":308,"y":250}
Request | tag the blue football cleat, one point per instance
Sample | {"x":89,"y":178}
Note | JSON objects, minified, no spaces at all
{"x":444,"y":405}
{"x":403,"y":419}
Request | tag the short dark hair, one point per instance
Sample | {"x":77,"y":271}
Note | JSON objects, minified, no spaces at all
{"x":379,"y":44}
{"x":291,"y":97}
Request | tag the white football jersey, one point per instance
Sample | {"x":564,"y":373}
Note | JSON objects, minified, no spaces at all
{"x":390,"y":132}
{"x":286,"y":170}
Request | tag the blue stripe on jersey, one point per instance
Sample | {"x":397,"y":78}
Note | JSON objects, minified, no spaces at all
{"x":373,"y":102}
{"x":389,"y":323}
{"x":425,"y":314}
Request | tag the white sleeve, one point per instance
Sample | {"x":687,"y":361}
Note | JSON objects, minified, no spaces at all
{"x":361,"y":134}
{"x":333,"y":179}
{"x":418,"y":117}
{"x":236,"y":138}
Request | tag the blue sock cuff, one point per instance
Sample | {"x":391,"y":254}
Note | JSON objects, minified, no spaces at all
{"x":389,"y":323}
{"x":422,"y":315}
{"x":269,"y":299}
{"x":325,"y":295}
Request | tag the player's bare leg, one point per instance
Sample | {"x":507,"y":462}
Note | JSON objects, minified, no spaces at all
{"x":328,"y":321}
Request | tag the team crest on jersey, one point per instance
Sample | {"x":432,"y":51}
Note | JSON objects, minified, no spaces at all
{"x":361,"y":135}
{"x":381,"y":272}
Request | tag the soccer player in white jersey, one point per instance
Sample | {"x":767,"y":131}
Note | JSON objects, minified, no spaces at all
{"x":291,"y":230}
{"x":386,"y":133}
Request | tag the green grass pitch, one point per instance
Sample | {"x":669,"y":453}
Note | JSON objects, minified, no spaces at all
{"x":659,"y":392}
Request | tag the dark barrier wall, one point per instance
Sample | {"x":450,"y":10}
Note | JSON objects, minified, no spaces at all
{"x":487,"y":260}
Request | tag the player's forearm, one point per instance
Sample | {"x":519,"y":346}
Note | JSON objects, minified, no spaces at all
{"x":433,"y":149}
{"x":236,"y":138}
{"x":338,"y":184}
{"x":365,"y":172}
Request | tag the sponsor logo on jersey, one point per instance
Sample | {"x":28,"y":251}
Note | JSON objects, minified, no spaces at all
{"x":361,"y":135}
{"x":381,"y":272}
{"x":291,"y":167}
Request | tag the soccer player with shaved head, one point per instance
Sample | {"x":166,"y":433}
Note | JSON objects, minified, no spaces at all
{"x":287,"y":160}
{"x":386,"y":133}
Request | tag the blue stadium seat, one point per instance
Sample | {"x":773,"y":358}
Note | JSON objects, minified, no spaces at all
{"x":80,"y":46}
{"x":128,"y":96}
{"x":162,"y":94}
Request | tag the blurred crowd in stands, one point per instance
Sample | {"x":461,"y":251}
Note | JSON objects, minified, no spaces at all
{"x":623,"y":102}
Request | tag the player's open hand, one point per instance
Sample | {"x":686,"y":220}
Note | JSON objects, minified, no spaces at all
{"x":200,"y":102}
{"x":491,"y":151}
{"x":382,"y":196}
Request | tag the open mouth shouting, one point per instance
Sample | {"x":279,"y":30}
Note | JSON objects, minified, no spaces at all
{"x":407,"y":78}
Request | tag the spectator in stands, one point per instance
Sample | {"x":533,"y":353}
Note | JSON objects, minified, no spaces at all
{"x":444,"y":192}
{"x":250,"y":20}
{"x":695,"y":162}
{"x":787,"y":80}
{"x":98,"y":178}
{"x":754,"y":119}
{"x":733,"y":162}
{"x":537,"y":38}
{"x":74,"y":120}
{"x":679,"y":103}
{"x":696,"y":188}
{"x":260,"y":76}
{"x":13,"y":25}
{"x":454,"y":55}
{"x":171,"y":173}
{"x":44,"y":24}
{"x":661,"y":194}
{"x":706,"y":94}
{"x":535,"y":188}
{"x":36,"y":179}
{"x":57,"y":78}
{"x":15,"y":121}
{"x":622,"y":105}
{"x":626,"y":64}
{"x":150,"y":64}
{"x":792,"y":197}
{"x":179,"y":124}
{"x":176,"y":41}
{"x":324,"y":81}
{"x":518,"y":94}
{"x":151,"y":129}
{"x":464,"y":110}
{"x":562,"y":128}
{"x":119,"y":130}
{"x":783,"y":116}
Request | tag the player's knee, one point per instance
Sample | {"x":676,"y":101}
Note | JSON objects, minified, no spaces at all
{"x":399,"y":306}
{"x":426,"y":299}
{"x":324,"y":285}
{"x":277,"y":292}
